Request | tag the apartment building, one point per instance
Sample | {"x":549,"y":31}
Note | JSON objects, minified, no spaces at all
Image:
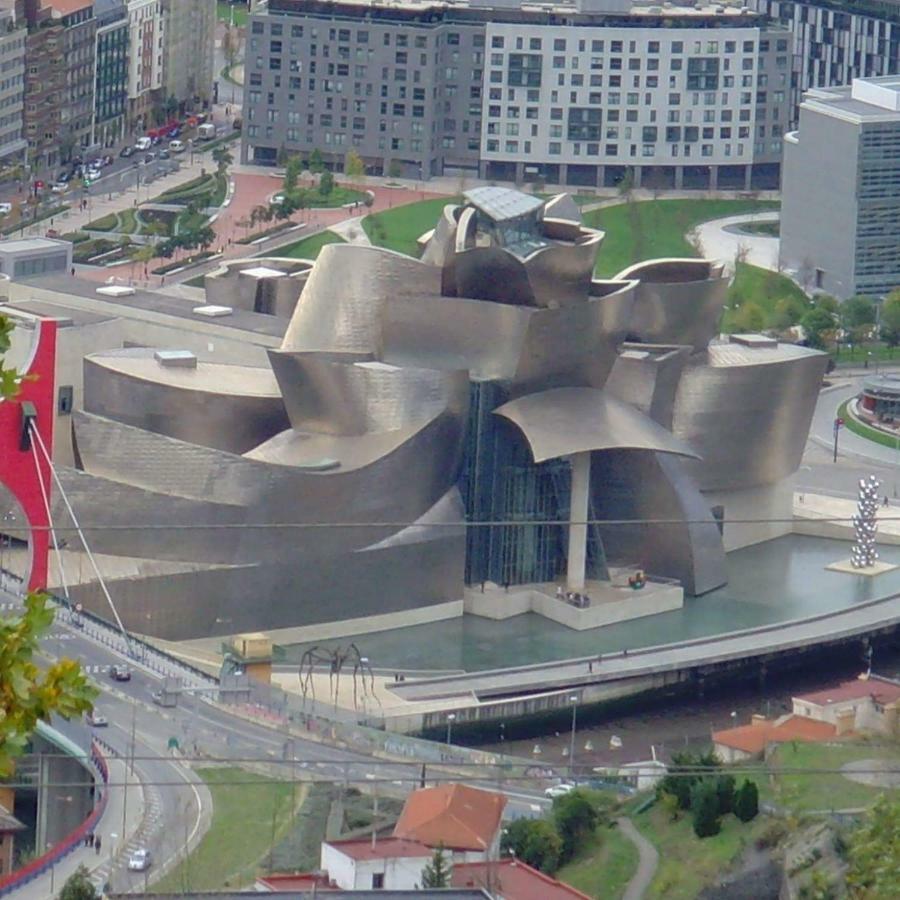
{"x":835,"y":42}
{"x":111,"y":89}
{"x":146,"y":49}
{"x":190,"y":28}
{"x":840,"y":211}
{"x":13,"y":35}
{"x":691,"y":97}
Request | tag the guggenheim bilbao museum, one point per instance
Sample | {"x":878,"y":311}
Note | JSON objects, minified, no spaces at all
{"x":487,"y":417}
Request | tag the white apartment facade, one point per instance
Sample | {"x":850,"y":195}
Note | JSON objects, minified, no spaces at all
{"x":146,"y":42}
{"x":672,"y":105}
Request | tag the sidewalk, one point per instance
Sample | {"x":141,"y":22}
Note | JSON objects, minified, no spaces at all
{"x":109,"y":828}
{"x":648,"y":860}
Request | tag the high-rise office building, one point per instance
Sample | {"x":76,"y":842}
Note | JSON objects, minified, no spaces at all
{"x":111,"y":92}
{"x":840,"y":211}
{"x":676,"y":97}
{"x":190,"y":28}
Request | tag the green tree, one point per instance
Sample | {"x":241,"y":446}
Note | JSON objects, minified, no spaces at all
{"x":890,"y":319}
{"x":817,"y":323}
{"x":705,"y":809}
{"x":575,"y":819}
{"x":746,"y":801}
{"x":725,"y":793}
{"x":670,"y":805}
{"x":690,"y":769}
{"x":316,"y":161}
{"x":436,"y":873}
{"x":857,"y":312}
{"x":827,"y":302}
{"x":29,"y":694}
{"x":394,"y":169}
{"x":535,"y":842}
{"x":354,"y":167}
{"x":874,"y":853}
{"x":326,"y":183}
{"x":223,"y":158}
{"x":9,"y":379}
{"x":749,"y":317}
{"x":292,"y":170}
{"x":787,"y":313}
{"x":78,"y":886}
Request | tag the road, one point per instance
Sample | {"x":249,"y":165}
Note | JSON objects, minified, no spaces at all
{"x":177,"y":803}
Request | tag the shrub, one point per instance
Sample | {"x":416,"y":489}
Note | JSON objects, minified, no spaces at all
{"x":746,"y":801}
{"x":725,"y":793}
{"x":705,"y":809}
{"x":575,"y":817}
{"x":772,"y":835}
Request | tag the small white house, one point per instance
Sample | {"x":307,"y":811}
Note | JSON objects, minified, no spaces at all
{"x":361,"y":865}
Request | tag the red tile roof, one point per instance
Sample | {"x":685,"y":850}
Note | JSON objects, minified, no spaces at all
{"x":385,"y":848}
{"x":456,"y":816}
{"x":879,"y":689}
{"x":754,"y":737}
{"x":305,"y":881}
{"x":511,"y":879}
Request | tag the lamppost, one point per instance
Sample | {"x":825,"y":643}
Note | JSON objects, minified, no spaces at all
{"x":574,"y":701}
{"x":451,"y":718}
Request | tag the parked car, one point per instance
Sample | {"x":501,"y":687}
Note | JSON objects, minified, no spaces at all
{"x":139,"y":860}
{"x":164,"y":154}
{"x":125,"y":152}
{"x":5,"y":209}
{"x":95,"y":720}
{"x":559,"y":790}
{"x":65,"y":177}
{"x":150,"y":157}
{"x":176,"y":146}
{"x":143,"y":143}
{"x":60,"y":187}
{"x":276,"y":200}
{"x":120,"y":673}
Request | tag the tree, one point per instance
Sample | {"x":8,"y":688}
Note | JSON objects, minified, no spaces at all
{"x":78,"y":886}
{"x":222,"y":158}
{"x":746,"y":801}
{"x":670,"y":805}
{"x":326,"y":183}
{"x":29,"y":694}
{"x":691,"y":768}
{"x":231,"y":45}
{"x":292,"y":170}
{"x":788,"y":312}
{"x":817,"y":323}
{"x":725,"y":793}
{"x":874,"y":853}
{"x":316,"y":161}
{"x":749,"y":317}
{"x":436,"y":873}
{"x":575,"y":818}
{"x":9,"y":379}
{"x":705,"y":809}
{"x":890,"y":319}
{"x":142,"y":255}
{"x":535,"y":842}
{"x":827,"y":302}
{"x":354,"y":167}
{"x":171,"y":106}
{"x":394,"y":169}
{"x":857,"y":311}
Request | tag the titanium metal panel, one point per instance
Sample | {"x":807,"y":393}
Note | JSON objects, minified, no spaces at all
{"x":679,"y":301}
{"x":563,"y":421}
{"x":230,"y":408}
{"x":747,"y":412}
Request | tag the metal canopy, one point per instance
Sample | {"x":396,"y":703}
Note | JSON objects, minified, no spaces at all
{"x":502,"y":204}
{"x":569,"y":420}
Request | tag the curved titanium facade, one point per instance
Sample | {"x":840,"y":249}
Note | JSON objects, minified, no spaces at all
{"x":343,"y":473}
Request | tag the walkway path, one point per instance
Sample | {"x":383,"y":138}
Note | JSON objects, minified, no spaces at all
{"x":721,"y":240}
{"x":648,"y":860}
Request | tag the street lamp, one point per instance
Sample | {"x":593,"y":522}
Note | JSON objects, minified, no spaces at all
{"x":574,"y":701}
{"x":451,"y":718}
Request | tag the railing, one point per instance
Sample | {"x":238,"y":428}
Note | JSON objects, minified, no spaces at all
{"x":40,"y":866}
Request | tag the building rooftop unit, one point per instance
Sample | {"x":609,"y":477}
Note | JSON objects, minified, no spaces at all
{"x":865,"y":100}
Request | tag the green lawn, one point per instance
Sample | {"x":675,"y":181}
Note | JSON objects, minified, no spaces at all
{"x":824,"y":789}
{"x":759,"y":289}
{"x":399,"y":228}
{"x":687,"y":863}
{"x":339,"y":196}
{"x":655,"y":228}
{"x":240,"y":834}
{"x":308,"y":248}
{"x":239,"y":11}
{"x":603,"y":867}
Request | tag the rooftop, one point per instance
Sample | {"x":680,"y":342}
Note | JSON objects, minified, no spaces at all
{"x":455,"y":815}
{"x":865,"y":100}
{"x":386,"y":848}
{"x":29,"y":245}
{"x":881,"y":690}
{"x":502,"y":204}
{"x":511,"y":879}
{"x":754,"y":737}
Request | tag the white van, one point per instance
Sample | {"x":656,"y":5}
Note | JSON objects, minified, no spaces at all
{"x":143,"y":143}
{"x":206,"y":131}
{"x":176,"y":146}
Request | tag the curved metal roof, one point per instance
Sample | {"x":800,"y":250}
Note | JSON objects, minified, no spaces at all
{"x":569,"y":420}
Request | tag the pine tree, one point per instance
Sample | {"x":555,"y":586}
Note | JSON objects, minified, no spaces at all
{"x":705,"y":809}
{"x":746,"y":801}
{"x":436,"y":873}
{"x":79,"y":887}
